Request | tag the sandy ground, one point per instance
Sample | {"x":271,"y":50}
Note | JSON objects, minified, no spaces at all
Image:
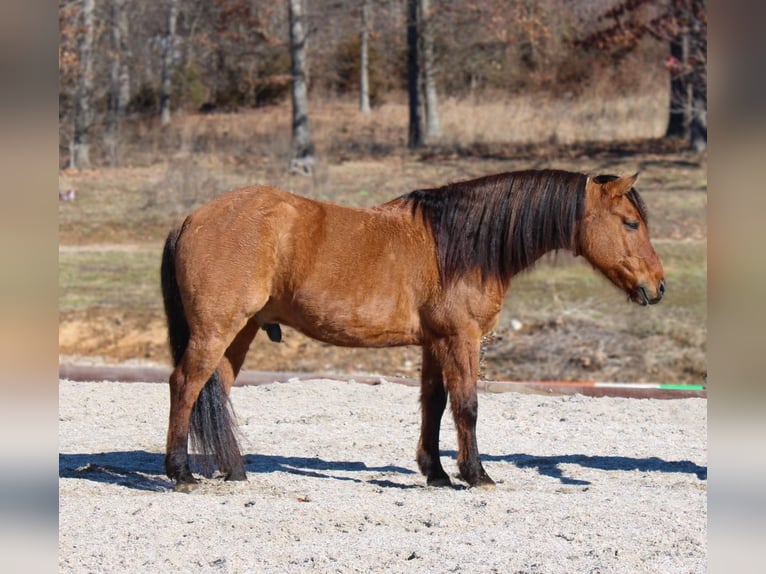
{"x":584,"y":485}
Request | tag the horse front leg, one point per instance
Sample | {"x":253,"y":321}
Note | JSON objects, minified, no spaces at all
{"x":433,"y":400}
{"x":460,"y":367}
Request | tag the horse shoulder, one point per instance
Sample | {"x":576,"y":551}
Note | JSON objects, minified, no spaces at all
{"x":469,"y":306}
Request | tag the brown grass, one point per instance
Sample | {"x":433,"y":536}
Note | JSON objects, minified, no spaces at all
{"x":262,"y":136}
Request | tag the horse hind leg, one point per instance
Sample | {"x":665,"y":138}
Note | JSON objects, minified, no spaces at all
{"x":195,"y":371}
{"x":233,"y":466}
{"x":176,"y":452}
{"x":213,"y":430}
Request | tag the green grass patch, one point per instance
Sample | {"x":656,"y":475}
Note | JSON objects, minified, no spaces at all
{"x":569,"y":288}
{"x":128,"y":279}
{"x":558,"y":287}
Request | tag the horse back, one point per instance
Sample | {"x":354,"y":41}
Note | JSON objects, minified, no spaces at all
{"x":356,"y":277}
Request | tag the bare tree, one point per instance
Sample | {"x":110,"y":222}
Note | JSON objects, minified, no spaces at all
{"x":433,"y":127}
{"x":119,"y":76}
{"x":167,"y":62}
{"x":232,"y":54}
{"x":678,"y":125}
{"x":303,"y":157}
{"x":421,"y":79}
{"x":687,"y":66}
{"x":83,"y":120}
{"x":415,"y":136}
{"x":683,"y":24}
{"x":364,"y":78}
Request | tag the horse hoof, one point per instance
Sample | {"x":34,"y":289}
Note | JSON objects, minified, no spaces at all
{"x":484,"y":482}
{"x":439,"y":481}
{"x":236,"y":475}
{"x":185,"y":487}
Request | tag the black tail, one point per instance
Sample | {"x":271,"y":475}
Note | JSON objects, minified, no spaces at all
{"x":212,"y":428}
{"x":178,"y":328}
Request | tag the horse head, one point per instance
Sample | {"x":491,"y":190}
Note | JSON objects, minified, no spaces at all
{"x":614,"y":238}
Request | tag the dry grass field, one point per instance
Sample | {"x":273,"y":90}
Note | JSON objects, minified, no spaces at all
{"x":561,"y":321}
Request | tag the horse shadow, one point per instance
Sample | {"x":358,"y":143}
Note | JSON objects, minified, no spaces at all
{"x":136,"y":469}
{"x":551,"y":465}
{"x":142,"y":470}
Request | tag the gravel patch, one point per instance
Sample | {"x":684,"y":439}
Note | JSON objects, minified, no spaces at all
{"x":584,"y":485}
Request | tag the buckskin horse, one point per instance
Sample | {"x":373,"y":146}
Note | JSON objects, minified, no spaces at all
{"x":429,"y":268}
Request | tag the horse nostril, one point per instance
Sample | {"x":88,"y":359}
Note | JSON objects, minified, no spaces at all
{"x":662,"y":288}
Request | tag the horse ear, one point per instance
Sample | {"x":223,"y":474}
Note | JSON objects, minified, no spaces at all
{"x":621,"y":185}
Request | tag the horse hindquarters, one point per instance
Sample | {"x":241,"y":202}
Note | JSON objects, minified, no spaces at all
{"x":176,"y":455}
{"x":198,"y":395}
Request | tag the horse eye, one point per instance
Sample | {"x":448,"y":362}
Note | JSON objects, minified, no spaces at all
{"x":631,"y":224}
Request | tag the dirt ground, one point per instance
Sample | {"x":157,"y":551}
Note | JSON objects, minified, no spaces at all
{"x":605,"y":485}
{"x":563,"y":349}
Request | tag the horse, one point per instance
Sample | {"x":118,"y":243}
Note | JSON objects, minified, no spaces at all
{"x":429,"y":268}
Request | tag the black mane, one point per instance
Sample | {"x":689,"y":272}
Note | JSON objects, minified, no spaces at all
{"x":501,"y":224}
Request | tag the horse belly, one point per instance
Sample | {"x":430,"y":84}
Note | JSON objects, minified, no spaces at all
{"x":371,"y":321}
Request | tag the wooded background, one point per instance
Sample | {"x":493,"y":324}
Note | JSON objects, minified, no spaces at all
{"x":135,"y":65}
{"x":173,"y":102}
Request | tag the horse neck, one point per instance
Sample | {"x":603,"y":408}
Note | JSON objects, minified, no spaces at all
{"x":501,"y":224}
{"x":540,"y":225}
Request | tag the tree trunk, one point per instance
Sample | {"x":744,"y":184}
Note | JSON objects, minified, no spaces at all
{"x":83,"y":119}
{"x":364,"y":79}
{"x":678,"y":119}
{"x":303,"y":158}
{"x":119,"y":77}
{"x":698,"y":55}
{"x":698,"y":124}
{"x":688,"y":102}
{"x":167,"y":63}
{"x":433,"y":127}
{"x":415,"y":136}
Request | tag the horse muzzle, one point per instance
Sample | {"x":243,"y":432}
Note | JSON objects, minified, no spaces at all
{"x":646,"y":296}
